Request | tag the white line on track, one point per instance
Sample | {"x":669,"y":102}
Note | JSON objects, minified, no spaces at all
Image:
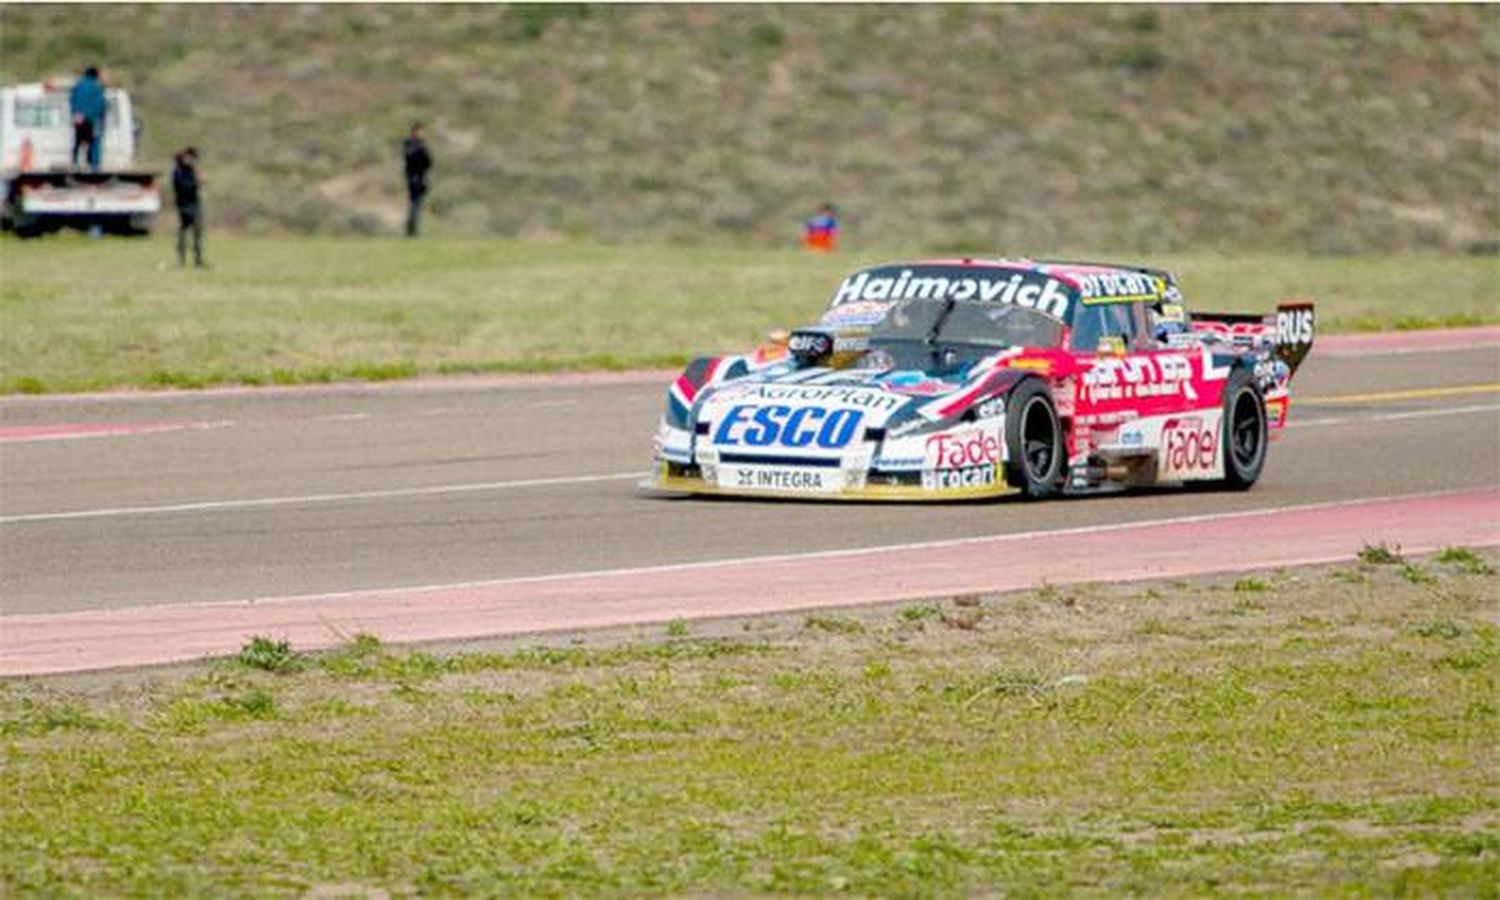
{"x":254,"y":503}
{"x":773,"y":558}
{"x":342,"y":417}
{"x":1405,"y":351}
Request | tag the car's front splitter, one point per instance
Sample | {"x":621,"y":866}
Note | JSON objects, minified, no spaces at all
{"x":663,"y":480}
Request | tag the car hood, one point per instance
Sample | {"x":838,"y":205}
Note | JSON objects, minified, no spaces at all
{"x":820,"y":412}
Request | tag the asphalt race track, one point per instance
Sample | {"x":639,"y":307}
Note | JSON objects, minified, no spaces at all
{"x":143,"y":500}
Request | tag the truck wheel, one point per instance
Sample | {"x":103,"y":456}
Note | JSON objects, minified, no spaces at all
{"x":1244,"y":435}
{"x":1033,"y":441}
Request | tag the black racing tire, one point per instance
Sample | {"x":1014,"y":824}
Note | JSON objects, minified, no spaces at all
{"x":1244,"y":435}
{"x":1036,"y":455}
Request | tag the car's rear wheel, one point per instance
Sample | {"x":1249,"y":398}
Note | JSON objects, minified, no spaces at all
{"x":1244,"y":435}
{"x":1034,"y":441}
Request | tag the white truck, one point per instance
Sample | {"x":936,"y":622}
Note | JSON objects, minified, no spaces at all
{"x":44,"y":191}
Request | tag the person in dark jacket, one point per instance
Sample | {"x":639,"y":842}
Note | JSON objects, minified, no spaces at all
{"x":86,"y":103}
{"x":418,"y":162}
{"x":189,"y":206}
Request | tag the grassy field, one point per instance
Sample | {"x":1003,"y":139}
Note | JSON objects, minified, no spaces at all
{"x":83,"y":315}
{"x":1325,"y":731}
{"x":1338,"y":128}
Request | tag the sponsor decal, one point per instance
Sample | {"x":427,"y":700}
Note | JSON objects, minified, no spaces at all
{"x":801,"y":427}
{"x":858,"y":313}
{"x":1240,"y":334}
{"x":892,"y":463}
{"x":672,"y":443}
{"x":836,"y":397}
{"x":1172,"y":312}
{"x":1119,"y":287}
{"x":1276,"y":413}
{"x":1030,"y":290}
{"x":1130,"y":437}
{"x":1190,"y":446}
{"x":1135,"y":377}
{"x":969,"y":476}
{"x":766,"y":478}
{"x":1109,"y":419}
{"x":1269,"y":373}
{"x":1032,"y":364}
{"x":1111,"y":345}
{"x":1294,"y":326}
{"x":916,"y":383}
{"x":812,"y":344}
{"x":993,"y":408}
{"x":958,"y":449}
{"x":816,"y":345}
{"x":1216,"y":367}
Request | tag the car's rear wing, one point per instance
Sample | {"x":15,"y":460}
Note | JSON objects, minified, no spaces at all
{"x":1287,"y":333}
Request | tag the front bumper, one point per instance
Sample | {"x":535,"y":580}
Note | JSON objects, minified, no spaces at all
{"x":894,"y":487}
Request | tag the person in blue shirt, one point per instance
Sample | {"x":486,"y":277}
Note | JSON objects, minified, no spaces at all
{"x":821,"y":232}
{"x":86,"y":103}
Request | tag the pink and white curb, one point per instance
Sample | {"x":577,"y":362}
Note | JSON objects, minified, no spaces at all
{"x":39,"y":644}
{"x":432,"y":384}
{"x":1382,"y":343}
{"x":70,"y":431}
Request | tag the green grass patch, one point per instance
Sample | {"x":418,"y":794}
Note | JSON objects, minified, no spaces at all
{"x":1465,"y":559}
{"x":833,"y":624}
{"x":88,"y":315}
{"x":1381,"y":555}
{"x":1417,"y":575}
{"x":1048,"y":748}
{"x":920,"y":612}
{"x":269,"y":655}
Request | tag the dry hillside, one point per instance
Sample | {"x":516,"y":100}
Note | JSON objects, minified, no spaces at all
{"x":1028,"y":128}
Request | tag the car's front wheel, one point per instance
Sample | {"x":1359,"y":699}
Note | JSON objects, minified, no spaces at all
{"x":1034,"y":441}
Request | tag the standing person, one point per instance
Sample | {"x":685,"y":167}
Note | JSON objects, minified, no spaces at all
{"x":822,"y":231}
{"x":418,"y":162}
{"x":86,"y":103}
{"x":189,"y":207}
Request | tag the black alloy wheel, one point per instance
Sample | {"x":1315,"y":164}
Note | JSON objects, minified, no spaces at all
{"x":1034,"y":441}
{"x":1245,"y":432}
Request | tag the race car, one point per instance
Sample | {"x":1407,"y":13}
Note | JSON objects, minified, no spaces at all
{"x":968,"y":378}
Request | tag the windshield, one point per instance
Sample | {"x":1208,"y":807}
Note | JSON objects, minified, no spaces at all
{"x":927,"y":333}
